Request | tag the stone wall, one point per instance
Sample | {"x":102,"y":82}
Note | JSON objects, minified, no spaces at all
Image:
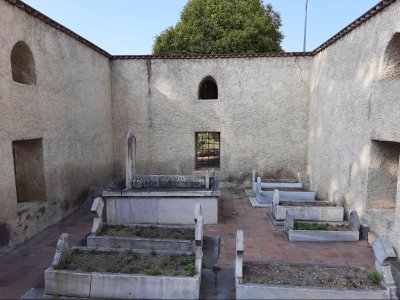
{"x":354,"y":102}
{"x":261,"y":113}
{"x":69,"y":109}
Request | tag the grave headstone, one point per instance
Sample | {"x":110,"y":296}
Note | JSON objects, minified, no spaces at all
{"x":275,"y":198}
{"x":338,"y":198}
{"x":130,"y":159}
{"x":354,"y":221}
{"x":364,"y":229}
{"x":289,"y":223}
{"x":383,"y":249}
{"x":62,"y":251}
{"x":97,"y":207}
{"x":298,"y":177}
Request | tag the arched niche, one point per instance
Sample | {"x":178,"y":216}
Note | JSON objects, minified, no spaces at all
{"x":23,"y":64}
{"x":391,"y":63}
{"x":208,"y":89}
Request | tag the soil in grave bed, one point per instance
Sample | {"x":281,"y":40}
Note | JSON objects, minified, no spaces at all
{"x":129,"y":263}
{"x":309,"y":203}
{"x":148,"y":232}
{"x":283,"y":189}
{"x":310,"y":276}
{"x":320,"y":226}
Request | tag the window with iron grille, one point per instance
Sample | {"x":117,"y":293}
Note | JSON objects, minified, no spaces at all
{"x":207,"y":150}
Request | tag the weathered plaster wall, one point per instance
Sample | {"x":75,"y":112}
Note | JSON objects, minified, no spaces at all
{"x":69,"y":108}
{"x":352,"y":104}
{"x":261,"y":112}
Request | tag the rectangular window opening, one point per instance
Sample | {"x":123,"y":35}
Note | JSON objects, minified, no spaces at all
{"x":207,"y":150}
{"x":29,"y":170}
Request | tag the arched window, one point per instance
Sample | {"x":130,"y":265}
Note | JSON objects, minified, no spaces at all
{"x":391,"y":64}
{"x":23,"y":64}
{"x":208,"y":88}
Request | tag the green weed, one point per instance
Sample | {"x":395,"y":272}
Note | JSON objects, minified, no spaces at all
{"x":152,"y":272}
{"x":375,"y":277}
{"x":63,"y":265}
{"x":190,"y":268}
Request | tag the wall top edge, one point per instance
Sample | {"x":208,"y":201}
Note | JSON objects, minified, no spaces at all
{"x":206,"y":56}
{"x":362,"y":19}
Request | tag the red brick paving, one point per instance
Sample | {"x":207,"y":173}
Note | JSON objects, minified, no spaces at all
{"x":263,"y":241}
{"x":22,"y":268}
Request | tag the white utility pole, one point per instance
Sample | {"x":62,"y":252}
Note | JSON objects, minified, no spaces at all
{"x":305,"y":29}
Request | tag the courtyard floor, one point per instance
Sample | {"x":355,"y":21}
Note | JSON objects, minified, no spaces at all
{"x":23,"y":268}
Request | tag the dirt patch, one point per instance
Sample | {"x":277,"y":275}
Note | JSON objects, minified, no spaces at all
{"x":320,"y":226}
{"x":148,"y":232}
{"x":129,"y":262}
{"x":303,"y":204}
{"x":284,"y":189}
{"x":303,"y":275}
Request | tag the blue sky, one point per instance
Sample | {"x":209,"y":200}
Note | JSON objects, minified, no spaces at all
{"x":129,"y":26}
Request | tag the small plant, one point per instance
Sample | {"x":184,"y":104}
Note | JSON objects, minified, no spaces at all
{"x":137,"y":230}
{"x":190,"y":268}
{"x":375,"y":277}
{"x":152,"y":271}
{"x":153,"y":253}
{"x":119,"y":227}
{"x":63,"y":265}
{"x":113,"y":270}
{"x":152,"y":227}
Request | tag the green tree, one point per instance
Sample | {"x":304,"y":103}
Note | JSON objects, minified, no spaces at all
{"x":222,"y":26}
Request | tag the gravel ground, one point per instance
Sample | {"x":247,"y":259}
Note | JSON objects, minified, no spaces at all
{"x":303,"y":275}
{"x":298,"y":225}
{"x":312,"y":204}
{"x":148,"y":232}
{"x":129,"y":262}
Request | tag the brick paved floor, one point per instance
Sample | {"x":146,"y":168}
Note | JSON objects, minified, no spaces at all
{"x":22,"y":268}
{"x":263,"y":241}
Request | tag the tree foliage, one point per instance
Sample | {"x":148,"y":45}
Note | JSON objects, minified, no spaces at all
{"x":222,"y":26}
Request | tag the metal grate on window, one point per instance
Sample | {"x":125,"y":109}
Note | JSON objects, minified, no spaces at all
{"x":207,"y":150}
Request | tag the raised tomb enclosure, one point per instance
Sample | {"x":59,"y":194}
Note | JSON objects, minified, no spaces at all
{"x":156,"y":199}
{"x":129,"y":281}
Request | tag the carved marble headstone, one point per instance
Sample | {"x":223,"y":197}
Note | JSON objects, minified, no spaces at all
{"x":130,"y":159}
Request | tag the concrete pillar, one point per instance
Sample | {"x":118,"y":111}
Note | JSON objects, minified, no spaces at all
{"x":130,"y":159}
